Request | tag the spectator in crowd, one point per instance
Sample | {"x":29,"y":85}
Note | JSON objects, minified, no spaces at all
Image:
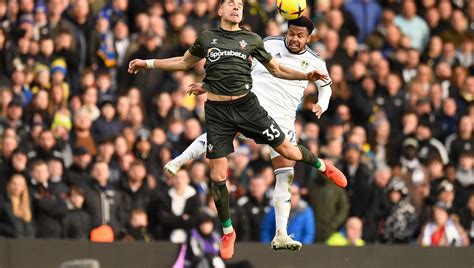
{"x":76,"y":223}
{"x":351,"y":236}
{"x":467,"y":218}
{"x":82,"y":135}
{"x":199,"y":179}
{"x":79,"y":172}
{"x":107,"y":125}
{"x":202,"y":246}
{"x":446,"y":194}
{"x":330,"y":205}
{"x":401,"y":222}
{"x":47,"y":147}
{"x":436,"y":178}
{"x":15,"y":209}
{"x":366,"y":14}
{"x":379,"y":207}
{"x":49,"y":203}
{"x":102,"y":201}
{"x":106,"y":153}
{"x":461,"y":141}
{"x":301,"y":222}
{"x":137,"y":227}
{"x":252,"y":209}
{"x":134,"y":188}
{"x":429,"y":146}
{"x":442,"y":231}
{"x":17,"y":165}
{"x":13,"y":119}
{"x":409,"y":156}
{"x":56,"y":172}
{"x":360,"y":181}
{"x":464,"y":177}
{"x":413,"y":26}
{"x":178,"y":208}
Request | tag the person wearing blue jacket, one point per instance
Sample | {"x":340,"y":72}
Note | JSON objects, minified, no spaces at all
{"x":367,"y":14}
{"x":301,"y":223}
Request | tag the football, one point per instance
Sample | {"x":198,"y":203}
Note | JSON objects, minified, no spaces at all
{"x":291,"y":9}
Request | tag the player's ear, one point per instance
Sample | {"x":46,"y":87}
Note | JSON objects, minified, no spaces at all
{"x":219,"y":11}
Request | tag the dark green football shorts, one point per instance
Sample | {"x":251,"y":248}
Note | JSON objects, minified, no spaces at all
{"x":224,"y":119}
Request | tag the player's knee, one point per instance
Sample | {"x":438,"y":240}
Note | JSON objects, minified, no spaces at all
{"x":288,"y":151}
{"x":218,"y":175}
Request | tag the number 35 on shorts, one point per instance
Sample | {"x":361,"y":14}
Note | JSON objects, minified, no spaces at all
{"x":272,"y":132}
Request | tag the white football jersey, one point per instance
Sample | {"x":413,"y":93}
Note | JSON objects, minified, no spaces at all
{"x":281,"y":97}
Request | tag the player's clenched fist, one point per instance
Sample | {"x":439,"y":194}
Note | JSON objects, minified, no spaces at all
{"x":136,"y":65}
{"x":317,"y":110}
{"x":195,"y":89}
{"x":317,"y":75}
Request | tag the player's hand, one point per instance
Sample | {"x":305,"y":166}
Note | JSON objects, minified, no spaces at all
{"x":317,"y":75}
{"x":195,"y":89}
{"x":136,"y":65}
{"x":317,"y":110}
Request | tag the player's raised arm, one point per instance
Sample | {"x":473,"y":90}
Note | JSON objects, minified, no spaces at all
{"x":284,"y":72}
{"x":168,"y":65}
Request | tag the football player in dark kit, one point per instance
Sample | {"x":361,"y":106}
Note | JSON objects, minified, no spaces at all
{"x":231,"y":108}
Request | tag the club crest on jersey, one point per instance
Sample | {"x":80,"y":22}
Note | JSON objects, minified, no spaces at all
{"x":304,"y":64}
{"x":214,"y":42}
{"x":243,"y":44}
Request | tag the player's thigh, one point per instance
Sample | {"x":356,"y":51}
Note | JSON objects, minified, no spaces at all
{"x":220,"y":132}
{"x":255,"y":123}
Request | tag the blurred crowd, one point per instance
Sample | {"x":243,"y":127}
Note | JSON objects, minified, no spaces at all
{"x":83,"y":143}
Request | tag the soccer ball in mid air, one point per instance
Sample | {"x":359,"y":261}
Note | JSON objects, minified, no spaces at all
{"x":291,"y":9}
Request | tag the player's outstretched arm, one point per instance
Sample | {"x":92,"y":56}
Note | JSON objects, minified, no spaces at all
{"x":168,"y":65}
{"x":284,"y":72}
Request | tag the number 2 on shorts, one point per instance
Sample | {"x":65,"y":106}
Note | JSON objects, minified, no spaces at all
{"x":271,"y":136}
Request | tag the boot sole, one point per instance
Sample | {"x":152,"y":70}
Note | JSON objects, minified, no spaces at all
{"x":287,"y":247}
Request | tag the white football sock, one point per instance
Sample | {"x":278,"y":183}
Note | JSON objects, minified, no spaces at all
{"x":322,"y":168}
{"x":282,"y":198}
{"x":227,"y":230}
{"x":195,"y":149}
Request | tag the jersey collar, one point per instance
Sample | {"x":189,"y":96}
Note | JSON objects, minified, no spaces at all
{"x":225,"y":31}
{"x":299,"y":53}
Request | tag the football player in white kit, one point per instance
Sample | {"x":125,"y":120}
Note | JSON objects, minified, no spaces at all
{"x":280,"y":98}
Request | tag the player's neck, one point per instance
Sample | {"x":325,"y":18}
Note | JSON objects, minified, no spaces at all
{"x":228,"y":26}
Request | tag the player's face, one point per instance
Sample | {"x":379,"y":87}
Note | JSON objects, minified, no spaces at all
{"x":232,"y":11}
{"x":297,"y":38}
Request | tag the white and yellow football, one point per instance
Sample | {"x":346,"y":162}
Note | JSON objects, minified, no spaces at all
{"x":291,"y":9}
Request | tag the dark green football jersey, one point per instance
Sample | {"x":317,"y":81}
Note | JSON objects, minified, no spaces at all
{"x":229,"y":59}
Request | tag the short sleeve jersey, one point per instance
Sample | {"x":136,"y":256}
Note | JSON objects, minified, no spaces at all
{"x":229,"y":57}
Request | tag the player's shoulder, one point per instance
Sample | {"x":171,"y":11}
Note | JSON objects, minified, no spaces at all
{"x":275,"y":38}
{"x":208,"y":32}
{"x":313,"y":54}
{"x":274,"y":41}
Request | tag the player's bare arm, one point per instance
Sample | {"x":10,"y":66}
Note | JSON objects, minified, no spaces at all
{"x":182,"y":63}
{"x":284,"y":72}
